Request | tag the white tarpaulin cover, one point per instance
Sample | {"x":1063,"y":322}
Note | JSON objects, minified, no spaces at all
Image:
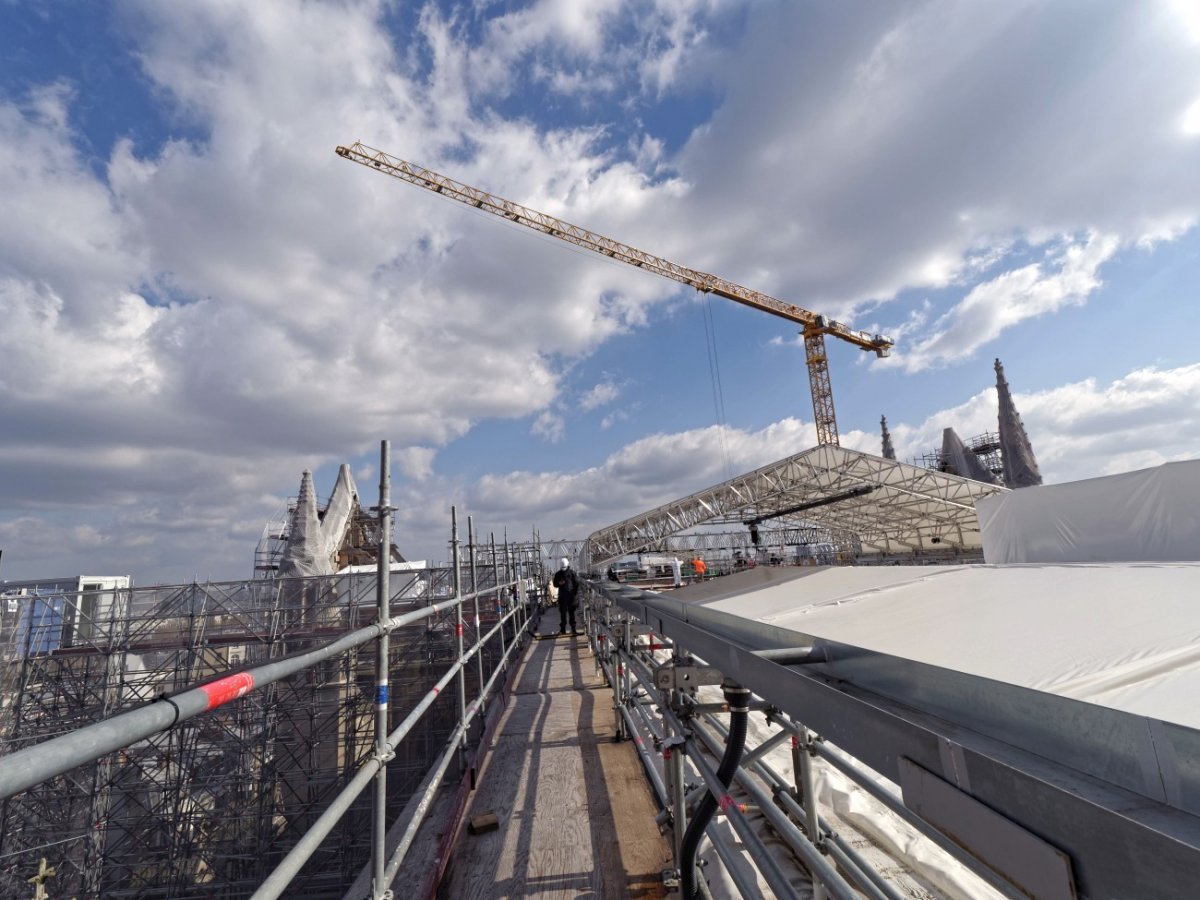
{"x":1149,"y":515}
{"x":1125,"y":636}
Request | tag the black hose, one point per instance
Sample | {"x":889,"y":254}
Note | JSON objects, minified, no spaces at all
{"x":737,"y":698}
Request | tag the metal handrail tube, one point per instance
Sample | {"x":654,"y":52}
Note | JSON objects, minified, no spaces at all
{"x":767,"y":865}
{"x":289,"y":867}
{"x":782,"y":792}
{"x":994,"y":879}
{"x":644,"y":754}
{"x":291,"y":864}
{"x":763,"y":749}
{"x":867,"y":783}
{"x":422,"y":807}
{"x":60,"y":754}
{"x":794,"y":837}
{"x":651,"y":725}
{"x":801,"y":844}
{"x":730,"y":861}
{"x":25,"y":768}
{"x":382,"y":669}
{"x":726,"y":855}
{"x":642,"y":603}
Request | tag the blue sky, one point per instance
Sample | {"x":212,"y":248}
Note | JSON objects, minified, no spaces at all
{"x":200,"y":300}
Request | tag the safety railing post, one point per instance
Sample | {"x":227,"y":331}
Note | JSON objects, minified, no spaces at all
{"x":802,"y":773}
{"x":499,"y":605}
{"x":618,"y":673}
{"x":475,"y":592}
{"x":379,"y":888}
{"x":458,"y":629}
{"x":673,"y":757}
{"x":518,"y":632}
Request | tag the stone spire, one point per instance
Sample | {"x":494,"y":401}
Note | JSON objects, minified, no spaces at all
{"x":889,"y":452}
{"x":1020,"y":466}
{"x":303,"y":551}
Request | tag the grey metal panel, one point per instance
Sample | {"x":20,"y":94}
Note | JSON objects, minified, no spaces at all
{"x":1122,"y":843}
{"x":1115,"y":746}
{"x":1036,"y":867}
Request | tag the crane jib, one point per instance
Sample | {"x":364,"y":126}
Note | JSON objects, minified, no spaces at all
{"x":815,"y":325}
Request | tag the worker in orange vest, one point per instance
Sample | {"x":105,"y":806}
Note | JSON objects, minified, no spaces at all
{"x":699,"y":568}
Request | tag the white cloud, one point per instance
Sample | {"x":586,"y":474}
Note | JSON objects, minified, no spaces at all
{"x":895,"y":143}
{"x":549,"y":426}
{"x":1078,"y":430}
{"x":600,"y":394}
{"x":1068,"y":277}
{"x":415,"y":462}
{"x":188,"y":326}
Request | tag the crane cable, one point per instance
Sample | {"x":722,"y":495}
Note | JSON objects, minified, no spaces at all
{"x":710,"y":339}
{"x":714,"y":375}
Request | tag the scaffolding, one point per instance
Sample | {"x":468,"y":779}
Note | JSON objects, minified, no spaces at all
{"x":986,"y":448}
{"x":209,"y":807}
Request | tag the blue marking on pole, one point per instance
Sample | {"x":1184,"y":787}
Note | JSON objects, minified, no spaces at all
{"x":381,"y":694}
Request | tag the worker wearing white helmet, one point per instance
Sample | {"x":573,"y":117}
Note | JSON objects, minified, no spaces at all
{"x":566,"y":582}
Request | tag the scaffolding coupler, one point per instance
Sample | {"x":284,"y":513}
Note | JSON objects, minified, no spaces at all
{"x":672,"y":676}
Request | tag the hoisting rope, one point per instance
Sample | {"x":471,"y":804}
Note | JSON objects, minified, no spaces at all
{"x":714,"y":375}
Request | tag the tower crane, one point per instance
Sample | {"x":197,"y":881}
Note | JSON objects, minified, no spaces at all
{"x":814,"y":325}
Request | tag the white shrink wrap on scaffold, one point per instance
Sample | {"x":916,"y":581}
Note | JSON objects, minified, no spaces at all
{"x":1152,"y":515}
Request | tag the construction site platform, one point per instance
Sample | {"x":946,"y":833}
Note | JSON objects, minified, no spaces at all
{"x":576,"y":816}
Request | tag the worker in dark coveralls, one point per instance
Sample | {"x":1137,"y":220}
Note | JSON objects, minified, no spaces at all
{"x":566,"y":582}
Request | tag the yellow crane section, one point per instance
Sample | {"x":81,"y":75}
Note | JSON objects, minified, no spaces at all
{"x":815,"y":326}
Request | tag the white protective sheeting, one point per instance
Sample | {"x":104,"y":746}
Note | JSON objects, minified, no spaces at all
{"x":1125,"y":636}
{"x":1150,"y":515}
{"x":314,"y":539}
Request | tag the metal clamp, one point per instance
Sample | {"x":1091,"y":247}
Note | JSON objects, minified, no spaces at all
{"x":672,"y":677}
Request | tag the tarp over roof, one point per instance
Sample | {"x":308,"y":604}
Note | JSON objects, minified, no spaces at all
{"x":1126,"y":636}
{"x":887,"y":506}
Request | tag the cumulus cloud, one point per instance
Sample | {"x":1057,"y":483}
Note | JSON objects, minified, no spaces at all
{"x":549,"y":426}
{"x":187,"y":320}
{"x":919,"y":136}
{"x":1081,"y":429}
{"x":600,"y":394}
{"x":1067,"y":278}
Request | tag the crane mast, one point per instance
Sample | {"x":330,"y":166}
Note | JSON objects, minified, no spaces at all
{"x":814,"y":326}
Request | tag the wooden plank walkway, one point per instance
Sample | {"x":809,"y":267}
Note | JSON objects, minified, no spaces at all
{"x":576,"y":814}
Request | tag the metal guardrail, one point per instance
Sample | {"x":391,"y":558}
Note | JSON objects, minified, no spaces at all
{"x":36,"y":764}
{"x":1039,"y":795}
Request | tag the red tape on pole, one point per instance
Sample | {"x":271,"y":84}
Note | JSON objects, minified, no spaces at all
{"x":228,"y":688}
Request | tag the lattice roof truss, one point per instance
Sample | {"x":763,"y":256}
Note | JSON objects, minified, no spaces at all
{"x":888,"y":507}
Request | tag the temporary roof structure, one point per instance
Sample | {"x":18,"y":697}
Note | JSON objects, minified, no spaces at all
{"x":887,"y":506}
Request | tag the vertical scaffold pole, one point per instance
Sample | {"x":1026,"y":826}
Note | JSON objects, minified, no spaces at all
{"x":510,"y":574}
{"x":806,"y":787}
{"x":458,"y":629}
{"x":499,"y":608}
{"x":475,"y":590}
{"x":383,"y":604}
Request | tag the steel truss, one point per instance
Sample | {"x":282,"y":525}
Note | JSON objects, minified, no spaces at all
{"x":1040,"y":795}
{"x":708,"y":542}
{"x":885,"y":506}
